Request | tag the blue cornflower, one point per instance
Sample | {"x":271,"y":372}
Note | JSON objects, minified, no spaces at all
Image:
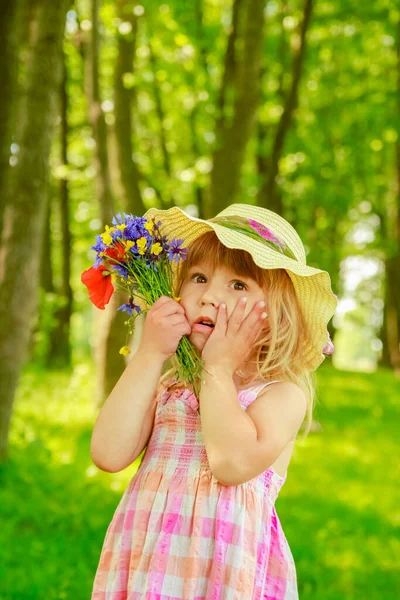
{"x":117,"y":235}
{"x":134,"y":229}
{"x":129,"y":308}
{"x":175,"y":253}
{"x":118,"y":220}
{"x":98,"y":261}
{"x":99,"y":246}
{"x":121,"y":270}
{"x":163,"y":241}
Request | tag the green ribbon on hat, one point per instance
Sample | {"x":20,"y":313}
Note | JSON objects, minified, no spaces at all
{"x":257,"y":231}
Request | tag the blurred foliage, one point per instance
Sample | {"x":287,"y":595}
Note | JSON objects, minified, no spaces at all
{"x":338,"y":168}
{"x":338,"y":507}
{"x":337,"y":177}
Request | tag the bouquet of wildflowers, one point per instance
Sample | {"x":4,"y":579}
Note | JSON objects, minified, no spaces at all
{"x":137,"y":258}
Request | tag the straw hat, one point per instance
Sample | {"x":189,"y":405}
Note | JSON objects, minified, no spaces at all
{"x":312,"y":286}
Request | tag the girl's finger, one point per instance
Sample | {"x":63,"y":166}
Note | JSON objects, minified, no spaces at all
{"x":254,"y":318}
{"x":236,"y":318}
{"x":221,"y":322}
{"x":176,"y":319}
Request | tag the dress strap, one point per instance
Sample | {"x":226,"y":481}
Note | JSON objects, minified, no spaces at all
{"x":260,"y":386}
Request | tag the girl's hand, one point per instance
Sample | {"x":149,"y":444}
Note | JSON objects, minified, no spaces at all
{"x":165,"y":324}
{"x":231,"y":341}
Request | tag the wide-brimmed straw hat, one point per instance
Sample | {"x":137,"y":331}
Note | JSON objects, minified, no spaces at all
{"x":273,"y":244}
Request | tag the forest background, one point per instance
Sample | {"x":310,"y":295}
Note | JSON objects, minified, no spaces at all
{"x":117,"y":106}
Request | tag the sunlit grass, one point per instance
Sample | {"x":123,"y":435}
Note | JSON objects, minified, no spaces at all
{"x":338,"y":507}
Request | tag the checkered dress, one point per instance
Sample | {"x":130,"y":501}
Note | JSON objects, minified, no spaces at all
{"x":178,"y":534}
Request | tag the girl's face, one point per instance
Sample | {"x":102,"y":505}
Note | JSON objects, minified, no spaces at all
{"x":203,"y":291}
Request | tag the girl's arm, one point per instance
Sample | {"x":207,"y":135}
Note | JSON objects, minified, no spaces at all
{"x":117,"y":430}
{"x":116,"y":433}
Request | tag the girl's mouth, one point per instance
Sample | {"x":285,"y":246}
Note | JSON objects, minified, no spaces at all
{"x":202,"y":328}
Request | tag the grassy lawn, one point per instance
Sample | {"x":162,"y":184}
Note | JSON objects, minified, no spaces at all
{"x":338,"y":506}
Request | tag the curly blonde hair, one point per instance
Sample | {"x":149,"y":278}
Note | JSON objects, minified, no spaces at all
{"x":279,"y":348}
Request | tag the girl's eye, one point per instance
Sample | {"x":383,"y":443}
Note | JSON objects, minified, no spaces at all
{"x":197,"y":275}
{"x":241,"y":289}
{"x":244,"y":286}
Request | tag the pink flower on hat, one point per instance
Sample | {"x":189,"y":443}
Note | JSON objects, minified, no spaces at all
{"x":266,"y":233}
{"x":329,"y":348}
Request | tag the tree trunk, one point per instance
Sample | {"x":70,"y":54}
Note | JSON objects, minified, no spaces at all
{"x":96,"y":116}
{"x":391,"y":321}
{"x":264,"y":131}
{"x":167,"y":203}
{"x":19,"y":263}
{"x":46,"y":266}
{"x":10,"y":13}
{"x":199,"y":191}
{"x":390,"y":333}
{"x":267,"y":193}
{"x":109,"y":323}
{"x":128,"y":170}
{"x":59,"y":354}
{"x":232,"y":137}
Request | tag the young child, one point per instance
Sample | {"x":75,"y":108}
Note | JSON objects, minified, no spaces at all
{"x":198,"y":520}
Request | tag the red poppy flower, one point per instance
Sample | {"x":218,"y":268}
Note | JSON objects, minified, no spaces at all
{"x":99,"y":286}
{"x":117,"y":252}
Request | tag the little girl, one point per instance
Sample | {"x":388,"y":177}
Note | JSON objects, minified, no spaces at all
{"x":198,"y":520}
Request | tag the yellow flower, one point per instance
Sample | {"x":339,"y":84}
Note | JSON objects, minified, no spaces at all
{"x":114,"y":277}
{"x":106,"y":237}
{"x":121,"y":227}
{"x":125,"y":351}
{"x":149,"y":226}
{"x":141,"y":244}
{"x":128,"y":244}
{"x":156,"y":248}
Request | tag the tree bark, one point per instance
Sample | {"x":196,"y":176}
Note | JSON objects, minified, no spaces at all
{"x":128,"y":170}
{"x":109,"y":323}
{"x":96,"y":116}
{"x":20,"y":254}
{"x":264,"y":131}
{"x":392,"y":294}
{"x":230,"y":67}
{"x":232,"y":137}
{"x":198,"y":190}
{"x":59,"y":354}
{"x":390,"y":331}
{"x":392,"y":287}
{"x":46,"y":266}
{"x":167,"y":203}
{"x":267,"y":192}
{"x":9,"y":35}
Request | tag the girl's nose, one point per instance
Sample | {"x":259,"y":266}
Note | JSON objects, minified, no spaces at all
{"x":211,"y":296}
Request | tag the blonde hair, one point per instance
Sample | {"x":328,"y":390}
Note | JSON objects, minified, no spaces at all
{"x":280,"y":347}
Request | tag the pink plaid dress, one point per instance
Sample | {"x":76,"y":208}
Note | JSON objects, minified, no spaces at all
{"x":179,"y":534}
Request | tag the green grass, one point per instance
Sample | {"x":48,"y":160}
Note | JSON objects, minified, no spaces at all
{"x":338,"y":506}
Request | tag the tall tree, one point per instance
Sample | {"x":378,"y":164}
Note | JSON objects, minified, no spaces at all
{"x":10,"y":13}
{"x":238,"y":102}
{"x":109,"y":324}
{"x":98,"y":123}
{"x":267,"y":195}
{"x":128,"y":170}
{"x":166,"y":159}
{"x":59,"y":353}
{"x":391,"y":235}
{"x":26,"y":203}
